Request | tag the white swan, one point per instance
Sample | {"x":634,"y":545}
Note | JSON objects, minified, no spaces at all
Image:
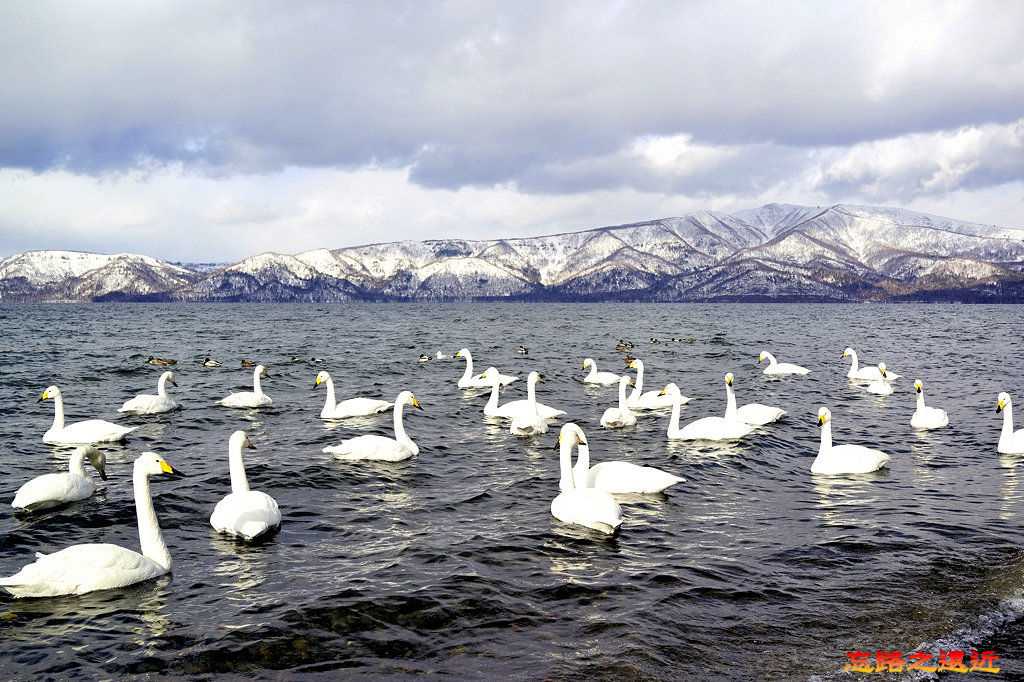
{"x":752,"y":413}
{"x":880,"y":386}
{"x":148,"y":403}
{"x":1010,"y":442}
{"x":51,"y":490}
{"x":595,"y":377}
{"x":468,"y":380}
{"x":618,"y":417}
{"x":581,"y":505}
{"x":927,"y":417}
{"x":708,"y":428}
{"x":775,"y":367}
{"x":80,"y":433}
{"x":865,"y":373}
{"x":254,"y":398}
{"x":515,"y":408}
{"x":376,"y":447}
{"x":843,"y":459}
{"x":353,"y":407}
{"x":638,"y":400}
{"x":84,"y":568}
{"x":530,"y":424}
{"x":244,"y":513}
{"x":617,"y":477}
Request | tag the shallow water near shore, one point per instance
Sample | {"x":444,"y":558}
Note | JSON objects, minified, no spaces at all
{"x":451,"y":562}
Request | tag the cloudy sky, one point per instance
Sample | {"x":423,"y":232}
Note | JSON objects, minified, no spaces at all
{"x":210,"y":131}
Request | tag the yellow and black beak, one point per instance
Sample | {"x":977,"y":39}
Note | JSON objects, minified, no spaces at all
{"x":318,"y":382}
{"x":821,"y":420}
{"x":248,"y":444}
{"x":1000,"y":407}
{"x":416,"y":404}
{"x":168,"y":469}
{"x":917,"y":389}
{"x":729,"y":381}
{"x":46,"y":394}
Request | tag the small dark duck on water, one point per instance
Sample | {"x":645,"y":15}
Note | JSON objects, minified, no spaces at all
{"x":161,"y":361}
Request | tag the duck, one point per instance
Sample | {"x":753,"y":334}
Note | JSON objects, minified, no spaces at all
{"x":775,"y":367}
{"x":468,"y":379}
{"x":624,"y":345}
{"x":654,"y":340}
{"x":353,"y":407}
{"x":621,"y":416}
{"x":865,"y":373}
{"x":578,"y":504}
{"x":381,"y":448}
{"x":651,"y":400}
{"x":86,"y":432}
{"x":254,"y":398}
{"x":523,"y":350}
{"x":755,"y":414}
{"x":294,"y":359}
{"x":80,"y":569}
{"x":1010,"y":442}
{"x":424,"y":357}
{"x":147,"y":403}
{"x":245,"y":514}
{"x":515,"y":408}
{"x":880,"y":386}
{"x":927,"y":417}
{"x":210,"y":363}
{"x":707,"y":428}
{"x":441,"y":356}
{"x":316,"y":360}
{"x":843,"y":459}
{"x":52,"y":490}
{"x":595,"y":377}
{"x":161,"y":361}
{"x":248,"y":363}
{"x":618,"y":477}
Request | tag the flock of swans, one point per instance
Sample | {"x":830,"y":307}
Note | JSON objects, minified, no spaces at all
{"x":586,"y":496}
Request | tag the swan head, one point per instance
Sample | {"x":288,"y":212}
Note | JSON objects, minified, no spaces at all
{"x":321,"y":377}
{"x":261,"y":370}
{"x":492,"y":375}
{"x":848,"y":351}
{"x":535,"y":377}
{"x":1003,"y":402}
{"x":881,"y":368}
{"x":588,"y":362}
{"x":239,"y":440}
{"x":918,"y":386}
{"x":636,"y":363}
{"x":463,"y":353}
{"x":761,"y":357}
{"x":51,"y":392}
{"x":728,"y":379}
{"x":169,"y":376}
{"x":407,"y":398}
{"x":95,"y":457}
{"x":824,"y":416}
{"x":670,"y":389}
{"x":571,"y":430}
{"x":151,"y":464}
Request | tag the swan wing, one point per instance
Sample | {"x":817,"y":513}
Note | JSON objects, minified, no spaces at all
{"x":758,"y":414}
{"x":50,"y":490}
{"x":651,"y":400}
{"x":246,"y":515}
{"x":929,"y":418}
{"x":88,"y":432}
{"x":148,"y":404}
{"x":528,"y":426}
{"x":713,"y":428}
{"x":370,"y":446}
{"x":614,"y":418}
{"x":849,"y":459}
{"x":625,"y":478}
{"x":360,"y":407}
{"x":588,"y":507}
{"x":246,"y":399}
{"x":79,"y":569}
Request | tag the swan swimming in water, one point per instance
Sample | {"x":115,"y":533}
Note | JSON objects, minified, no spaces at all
{"x":618,"y":417}
{"x":468,"y":380}
{"x":595,"y":377}
{"x":51,"y":490}
{"x":651,"y":400}
{"x":865,"y":373}
{"x":254,"y":398}
{"x":86,"y":432}
{"x":708,"y":428}
{"x":374,"y":447}
{"x":1010,"y":442}
{"x":617,"y":477}
{"x":244,"y":513}
{"x":775,"y":367}
{"x":753,"y":413}
{"x":147,"y":403}
{"x":927,"y":417}
{"x":580,"y":505}
{"x":880,"y":386}
{"x":353,"y":407}
{"x":85,"y":568}
{"x":843,"y":459}
{"x":531,"y":423}
{"x":515,"y":408}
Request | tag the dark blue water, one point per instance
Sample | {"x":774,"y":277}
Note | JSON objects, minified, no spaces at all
{"x":451,"y":562}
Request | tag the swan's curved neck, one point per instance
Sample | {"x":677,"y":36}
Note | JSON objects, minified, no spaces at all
{"x":76,"y":465}
{"x":673,"y":422}
{"x":239,"y":483}
{"x":58,"y":412}
{"x":639,"y":383}
{"x":151,"y":540}
{"x":1007,"y":431}
{"x":256,"y":383}
{"x":730,"y":403}
{"x":826,"y":439}
{"x":623,"y":382}
{"x":161,"y":387}
{"x":771,"y":359}
{"x":920,"y":399}
{"x":331,"y":401}
{"x":565,"y":463}
{"x":469,"y":366}
{"x":853,"y":356}
{"x":581,"y":471}
{"x":492,"y":402}
{"x":531,"y":391}
{"x":400,"y":434}
{"x":593,"y":370}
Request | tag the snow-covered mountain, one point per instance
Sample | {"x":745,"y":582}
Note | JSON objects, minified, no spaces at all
{"x":776,"y":252}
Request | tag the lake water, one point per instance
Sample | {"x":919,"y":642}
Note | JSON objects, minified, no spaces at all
{"x":451,"y":562}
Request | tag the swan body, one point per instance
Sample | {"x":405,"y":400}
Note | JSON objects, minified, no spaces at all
{"x":374,"y":447}
{"x":618,"y":477}
{"x":927,"y":417}
{"x":246,"y":514}
{"x":52,"y":490}
{"x":618,"y":417}
{"x":469,"y":380}
{"x":353,"y":407}
{"x":85,"y":568}
{"x":85,"y":432}
{"x":1010,"y":442}
{"x":530,"y":424}
{"x":880,"y":386}
{"x":578,"y":504}
{"x":148,"y":403}
{"x":843,"y":459}
{"x":651,"y":400}
{"x":254,"y":398}
{"x":753,"y":413}
{"x":517,"y":408}
{"x":775,"y":367}
{"x":595,"y":377}
{"x":708,"y":428}
{"x":866,"y":373}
